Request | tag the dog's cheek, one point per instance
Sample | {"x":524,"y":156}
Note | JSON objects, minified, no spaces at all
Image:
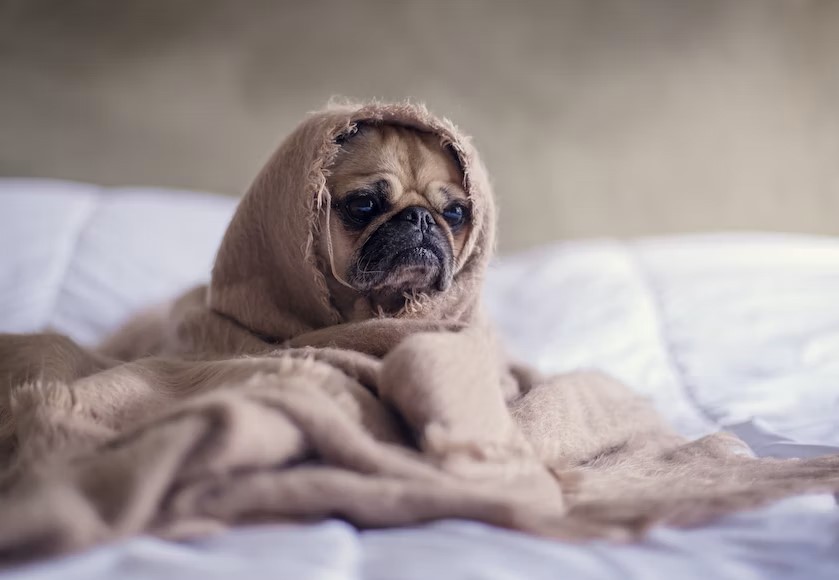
{"x":367,"y":259}
{"x":444,"y":282}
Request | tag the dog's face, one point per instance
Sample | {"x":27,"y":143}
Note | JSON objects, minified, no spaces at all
{"x":402,"y":214}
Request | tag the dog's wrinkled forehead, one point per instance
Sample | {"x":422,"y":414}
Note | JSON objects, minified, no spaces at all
{"x":398,"y":160}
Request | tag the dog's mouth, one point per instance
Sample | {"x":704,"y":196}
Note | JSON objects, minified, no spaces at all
{"x":387,"y":268}
{"x":413,"y":269}
{"x":420,"y":256}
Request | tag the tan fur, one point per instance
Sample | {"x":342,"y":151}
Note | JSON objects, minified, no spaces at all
{"x":262,"y":401}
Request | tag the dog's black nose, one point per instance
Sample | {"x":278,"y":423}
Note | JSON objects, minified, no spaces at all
{"x":419,"y":216}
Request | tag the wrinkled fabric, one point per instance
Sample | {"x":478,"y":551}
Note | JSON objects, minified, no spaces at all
{"x":252,"y":400}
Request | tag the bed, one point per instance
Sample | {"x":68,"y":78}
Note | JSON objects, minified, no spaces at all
{"x":724,"y":331}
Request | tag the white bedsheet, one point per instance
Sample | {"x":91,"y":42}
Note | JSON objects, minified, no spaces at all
{"x":733,"y":331}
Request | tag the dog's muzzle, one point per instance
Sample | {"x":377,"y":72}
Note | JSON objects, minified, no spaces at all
{"x":408,"y":252}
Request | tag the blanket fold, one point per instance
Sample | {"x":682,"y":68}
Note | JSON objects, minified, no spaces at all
{"x":253,"y":400}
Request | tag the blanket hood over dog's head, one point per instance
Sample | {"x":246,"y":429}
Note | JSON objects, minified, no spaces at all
{"x":268,"y":277}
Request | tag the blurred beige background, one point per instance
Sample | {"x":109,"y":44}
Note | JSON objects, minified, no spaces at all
{"x":596,"y":117}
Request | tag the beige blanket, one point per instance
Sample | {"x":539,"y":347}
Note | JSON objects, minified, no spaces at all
{"x":253,"y":400}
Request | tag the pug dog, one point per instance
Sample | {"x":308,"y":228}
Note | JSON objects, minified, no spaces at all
{"x":398,"y":221}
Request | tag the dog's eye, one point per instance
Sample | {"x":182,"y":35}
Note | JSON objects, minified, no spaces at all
{"x":456,"y":215}
{"x":362,"y":208}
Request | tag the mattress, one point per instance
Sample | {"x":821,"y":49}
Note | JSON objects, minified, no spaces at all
{"x":727,"y":331}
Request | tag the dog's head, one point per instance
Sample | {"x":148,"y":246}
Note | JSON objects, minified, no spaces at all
{"x":399,"y":215}
{"x":379,"y":209}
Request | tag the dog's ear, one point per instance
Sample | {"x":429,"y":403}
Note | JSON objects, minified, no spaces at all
{"x":342,"y":138}
{"x":354,"y":130}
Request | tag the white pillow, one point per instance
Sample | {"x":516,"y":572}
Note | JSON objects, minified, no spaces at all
{"x":80,"y":259}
